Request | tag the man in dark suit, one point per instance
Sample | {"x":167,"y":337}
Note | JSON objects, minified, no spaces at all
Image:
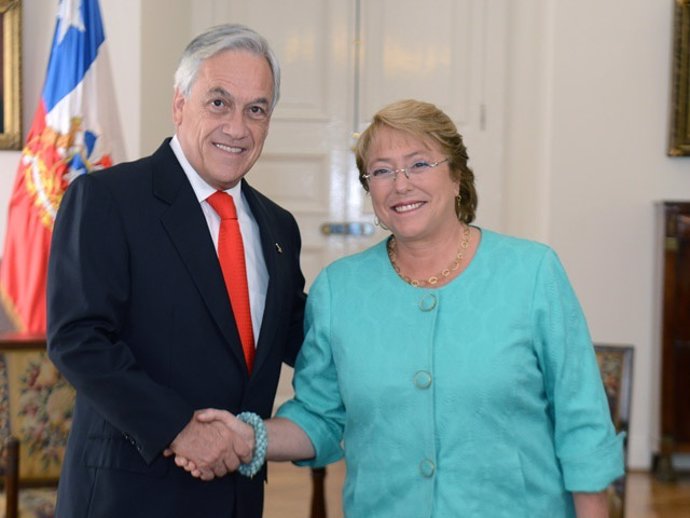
{"x":139,"y":316}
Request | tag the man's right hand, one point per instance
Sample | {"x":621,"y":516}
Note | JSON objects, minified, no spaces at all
{"x":208,"y":449}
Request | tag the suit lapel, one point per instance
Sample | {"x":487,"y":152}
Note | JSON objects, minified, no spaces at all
{"x":185,"y":224}
{"x":270,"y":246}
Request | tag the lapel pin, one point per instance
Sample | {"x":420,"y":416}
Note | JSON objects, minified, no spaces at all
{"x":279,"y":248}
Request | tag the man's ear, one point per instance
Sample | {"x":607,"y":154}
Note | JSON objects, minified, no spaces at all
{"x":177,"y":105}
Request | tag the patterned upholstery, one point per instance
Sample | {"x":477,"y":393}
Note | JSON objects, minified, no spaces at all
{"x":33,"y":503}
{"x":35,"y":408}
{"x":615,"y":364}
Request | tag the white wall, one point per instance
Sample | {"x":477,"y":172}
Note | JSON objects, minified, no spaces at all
{"x":163,"y":40}
{"x":586,"y":136}
{"x":590,"y":166}
{"x":609,"y":171}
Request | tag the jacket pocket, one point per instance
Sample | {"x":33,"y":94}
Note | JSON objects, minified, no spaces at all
{"x":500,"y":491}
{"x":113,"y":452}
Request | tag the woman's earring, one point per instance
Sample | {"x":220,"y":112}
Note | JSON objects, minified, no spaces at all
{"x":458,"y":206}
{"x":378,"y":223}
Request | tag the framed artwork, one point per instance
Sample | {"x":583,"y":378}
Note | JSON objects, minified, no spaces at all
{"x":10,"y":70}
{"x":680,"y":97}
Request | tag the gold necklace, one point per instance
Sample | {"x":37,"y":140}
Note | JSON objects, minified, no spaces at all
{"x":434,"y":279}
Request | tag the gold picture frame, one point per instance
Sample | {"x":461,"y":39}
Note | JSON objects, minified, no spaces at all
{"x":10,"y":94}
{"x":680,"y":97}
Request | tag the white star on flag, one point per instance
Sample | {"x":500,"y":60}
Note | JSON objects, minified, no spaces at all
{"x":69,"y":15}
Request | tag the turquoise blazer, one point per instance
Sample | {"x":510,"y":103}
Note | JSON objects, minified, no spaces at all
{"x":481,"y":398}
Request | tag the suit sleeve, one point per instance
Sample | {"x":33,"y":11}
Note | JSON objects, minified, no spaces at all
{"x":87,"y":300}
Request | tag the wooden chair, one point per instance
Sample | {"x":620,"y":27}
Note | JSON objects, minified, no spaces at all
{"x":318,"y":495}
{"x":35,"y":415}
{"x":615,"y":365}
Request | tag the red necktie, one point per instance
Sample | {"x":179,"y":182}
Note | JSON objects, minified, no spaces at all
{"x":231,"y":256}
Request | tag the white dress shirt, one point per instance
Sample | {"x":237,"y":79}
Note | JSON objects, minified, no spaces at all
{"x":257,"y":274}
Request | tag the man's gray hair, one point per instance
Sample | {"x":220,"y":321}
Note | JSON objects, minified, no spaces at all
{"x":218,"y":39}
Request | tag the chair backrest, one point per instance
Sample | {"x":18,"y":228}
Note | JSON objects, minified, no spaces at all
{"x":615,"y":365}
{"x":36,"y":406}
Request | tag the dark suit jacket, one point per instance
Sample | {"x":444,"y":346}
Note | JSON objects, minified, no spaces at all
{"x":140,"y":323}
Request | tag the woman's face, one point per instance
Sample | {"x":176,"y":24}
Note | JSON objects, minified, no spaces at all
{"x":419,"y":207}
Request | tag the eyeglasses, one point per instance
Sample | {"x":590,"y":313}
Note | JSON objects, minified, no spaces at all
{"x":416,"y":170}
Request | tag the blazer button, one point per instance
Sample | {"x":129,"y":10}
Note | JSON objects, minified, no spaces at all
{"x":422,"y":379}
{"x":427,"y":302}
{"x":427,"y":468}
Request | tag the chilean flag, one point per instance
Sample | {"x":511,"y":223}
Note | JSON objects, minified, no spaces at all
{"x":75,"y":131}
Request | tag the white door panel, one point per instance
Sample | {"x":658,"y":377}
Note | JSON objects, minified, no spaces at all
{"x":410,"y":50}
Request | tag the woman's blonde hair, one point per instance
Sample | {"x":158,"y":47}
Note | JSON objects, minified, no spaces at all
{"x":427,"y":122}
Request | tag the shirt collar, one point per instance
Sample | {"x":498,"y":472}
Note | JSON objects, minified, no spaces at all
{"x":203,"y":190}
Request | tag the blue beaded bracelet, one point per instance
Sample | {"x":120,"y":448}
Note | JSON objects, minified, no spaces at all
{"x":260,"y":444}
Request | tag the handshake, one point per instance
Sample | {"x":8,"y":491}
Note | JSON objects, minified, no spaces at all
{"x":213,"y":444}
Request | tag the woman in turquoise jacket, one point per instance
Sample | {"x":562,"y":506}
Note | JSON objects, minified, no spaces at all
{"x":450,"y":365}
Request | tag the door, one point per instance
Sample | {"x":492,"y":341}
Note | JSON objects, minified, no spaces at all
{"x":341,"y":61}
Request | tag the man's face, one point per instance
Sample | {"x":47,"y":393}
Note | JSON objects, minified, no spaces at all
{"x":223,"y":123}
